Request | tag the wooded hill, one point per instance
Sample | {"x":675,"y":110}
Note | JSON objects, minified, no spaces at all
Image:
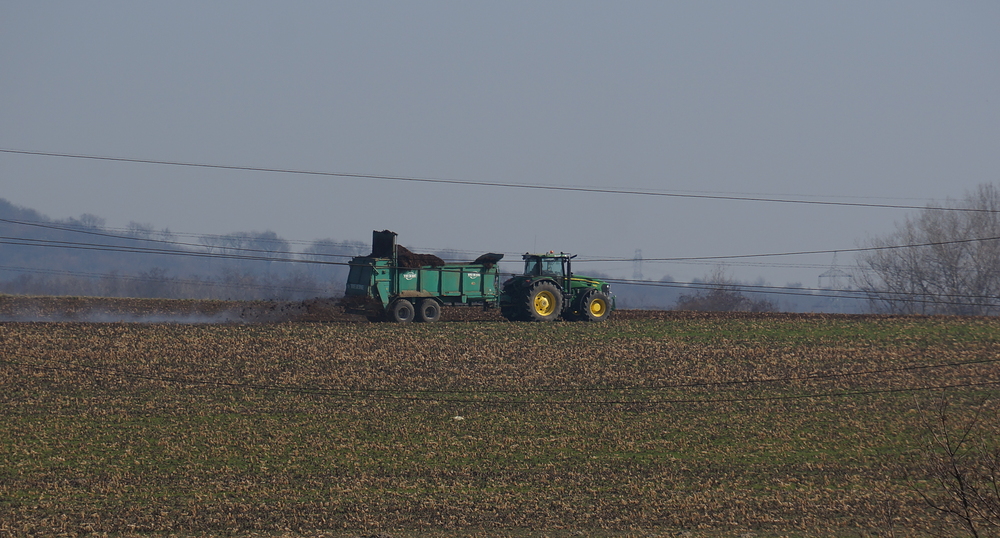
{"x":81,"y":256}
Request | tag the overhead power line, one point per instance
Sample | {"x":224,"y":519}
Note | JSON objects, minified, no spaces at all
{"x":800,"y":252}
{"x":592,"y":190}
{"x":162,"y":279}
{"x":271,"y":256}
{"x":545,"y":389}
{"x":766,"y":289}
{"x":407,"y":395}
{"x":854,"y":295}
{"x":857,"y":295}
{"x":17,"y":241}
{"x":98,"y":232}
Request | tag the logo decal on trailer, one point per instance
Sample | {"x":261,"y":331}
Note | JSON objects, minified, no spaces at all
{"x":410,"y":276}
{"x":473,"y":275}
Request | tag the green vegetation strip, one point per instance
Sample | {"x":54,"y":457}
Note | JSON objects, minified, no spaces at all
{"x":484,"y":428}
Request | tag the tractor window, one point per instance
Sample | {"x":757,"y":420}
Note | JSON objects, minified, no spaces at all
{"x":544,"y":267}
{"x":552,"y":267}
{"x":533,"y":267}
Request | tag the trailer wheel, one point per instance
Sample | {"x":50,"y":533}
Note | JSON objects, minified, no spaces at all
{"x":428,"y":311}
{"x":544,"y":302}
{"x":595,"y":306}
{"x":401,"y":311}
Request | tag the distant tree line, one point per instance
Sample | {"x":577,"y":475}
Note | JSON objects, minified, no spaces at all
{"x":80,"y":256}
{"x":723,"y":295}
{"x":719,"y":292}
{"x":156,"y":283}
{"x":944,"y":260}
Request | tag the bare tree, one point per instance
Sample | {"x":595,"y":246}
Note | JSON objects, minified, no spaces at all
{"x":325,"y":249}
{"x":256,"y":245}
{"x":139,"y":230}
{"x":268,"y":244}
{"x":959,"y":467}
{"x":722,"y":294}
{"x":330,"y":257}
{"x":88,"y":220}
{"x":950,"y":263}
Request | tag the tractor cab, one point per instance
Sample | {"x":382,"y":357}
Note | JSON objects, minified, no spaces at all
{"x":549,"y":265}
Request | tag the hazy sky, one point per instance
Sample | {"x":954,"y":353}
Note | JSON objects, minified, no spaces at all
{"x":883,"y":102}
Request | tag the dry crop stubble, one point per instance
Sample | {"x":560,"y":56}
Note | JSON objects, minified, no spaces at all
{"x":638,"y":424}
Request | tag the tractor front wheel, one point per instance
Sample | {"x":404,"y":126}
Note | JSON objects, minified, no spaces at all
{"x":595,"y":306}
{"x":544,"y":302}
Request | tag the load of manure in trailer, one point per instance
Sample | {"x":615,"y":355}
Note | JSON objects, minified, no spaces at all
{"x":382,"y":245}
{"x":488,"y":260}
{"x":411,"y":260}
{"x":408,"y":259}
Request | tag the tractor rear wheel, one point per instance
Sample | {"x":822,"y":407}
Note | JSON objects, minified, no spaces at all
{"x":428,"y":311}
{"x":543,"y":302}
{"x":595,"y":306}
{"x":401,"y":311}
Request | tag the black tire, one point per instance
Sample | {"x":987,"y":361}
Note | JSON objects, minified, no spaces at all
{"x":428,"y":311}
{"x":401,"y":311}
{"x":513,"y":310}
{"x":575,"y":313}
{"x":544,"y":302}
{"x":514,"y":313}
{"x":594,"y":306}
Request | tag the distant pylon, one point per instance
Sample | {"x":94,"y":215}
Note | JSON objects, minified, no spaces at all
{"x":637,"y":265}
{"x":834,"y":278}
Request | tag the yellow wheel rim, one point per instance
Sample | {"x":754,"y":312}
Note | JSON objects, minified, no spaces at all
{"x":598,"y":307}
{"x":545,"y":303}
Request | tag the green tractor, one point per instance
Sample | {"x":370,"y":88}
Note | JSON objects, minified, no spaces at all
{"x":548,"y":289}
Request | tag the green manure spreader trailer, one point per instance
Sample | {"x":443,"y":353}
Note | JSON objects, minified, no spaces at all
{"x":394,"y":284}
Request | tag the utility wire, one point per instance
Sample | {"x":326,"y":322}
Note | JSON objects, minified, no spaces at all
{"x":682,"y":285}
{"x":160,"y":241}
{"x":785,"y":290}
{"x":348,"y":244}
{"x":857,"y":295}
{"x":272,"y":256}
{"x":593,"y":190}
{"x":545,"y":390}
{"x":672,"y":259}
{"x":154,"y":251}
{"x":164,"y":279}
{"x":920,"y":298}
{"x":396,"y":397}
{"x":801,"y":252}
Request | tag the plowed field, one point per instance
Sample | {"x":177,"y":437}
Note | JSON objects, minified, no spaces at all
{"x":306,"y":421}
